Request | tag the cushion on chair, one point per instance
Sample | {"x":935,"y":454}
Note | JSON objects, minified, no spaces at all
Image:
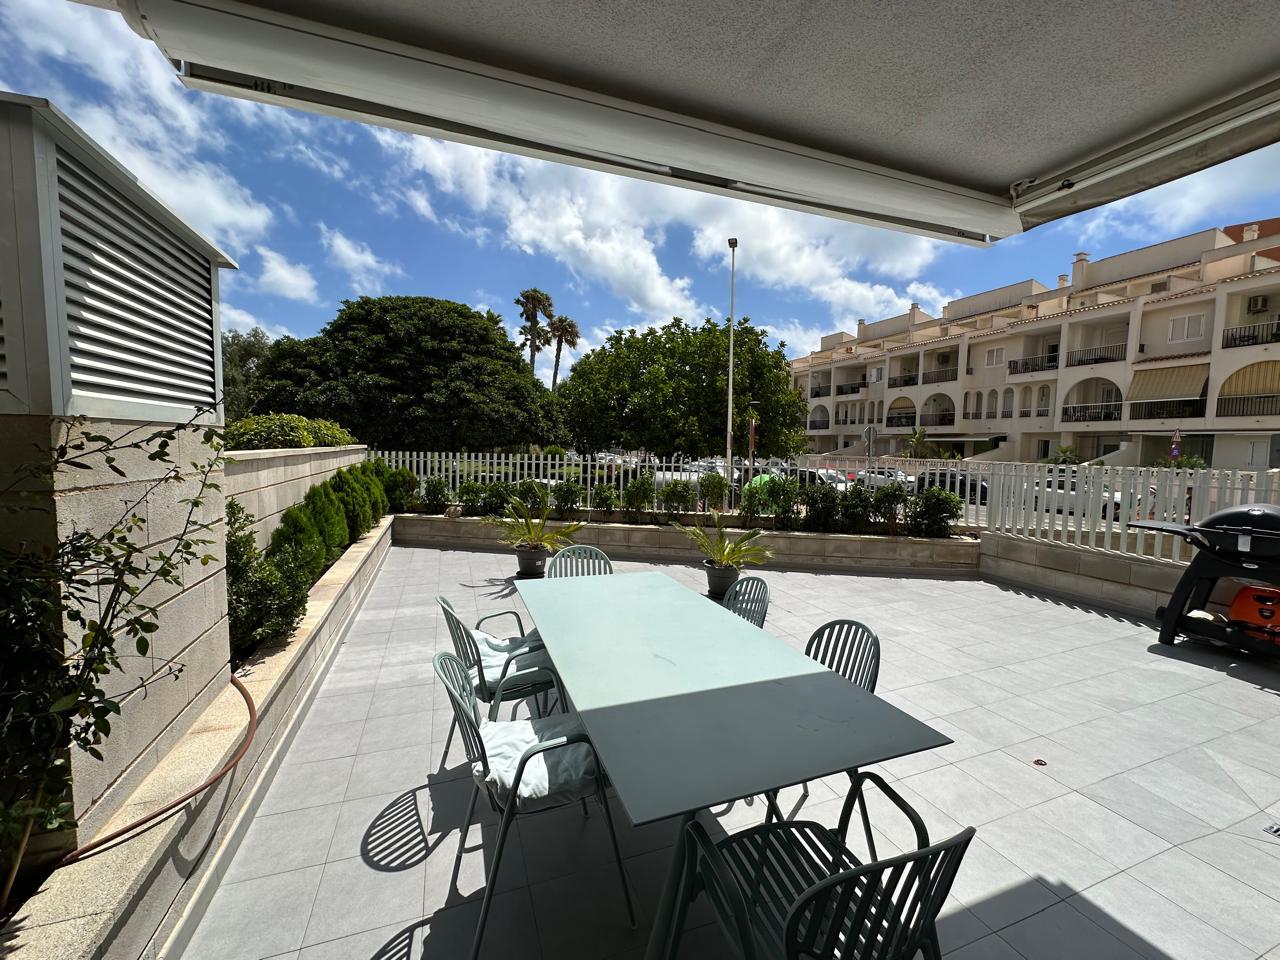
{"x":550,"y":779}
{"x":492,"y":661}
{"x":507,"y":645}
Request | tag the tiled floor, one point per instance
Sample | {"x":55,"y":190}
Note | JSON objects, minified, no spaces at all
{"x":1120,"y":789}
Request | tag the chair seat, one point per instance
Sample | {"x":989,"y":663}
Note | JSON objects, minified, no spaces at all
{"x":551,"y":779}
{"x":780,"y":862}
{"x":493,"y":660}
{"x":506,"y":645}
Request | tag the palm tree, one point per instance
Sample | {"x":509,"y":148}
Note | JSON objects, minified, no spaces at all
{"x":916,"y":445}
{"x":534,"y":304}
{"x":564,"y":332}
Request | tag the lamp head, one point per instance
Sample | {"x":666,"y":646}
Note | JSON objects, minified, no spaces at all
{"x":733,"y":243}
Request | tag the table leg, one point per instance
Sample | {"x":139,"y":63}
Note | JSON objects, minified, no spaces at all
{"x":660,"y":935}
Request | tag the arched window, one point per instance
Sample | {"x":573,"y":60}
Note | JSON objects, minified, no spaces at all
{"x":993,"y":402}
{"x":1025,"y":405}
{"x":1006,"y":408}
{"x":977,"y":405}
{"x":965,"y":406}
{"x":1042,"y":400}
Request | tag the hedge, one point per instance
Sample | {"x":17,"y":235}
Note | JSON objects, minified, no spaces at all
{"x":278,"y":431}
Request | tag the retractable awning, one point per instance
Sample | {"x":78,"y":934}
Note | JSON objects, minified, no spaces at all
{"x":1169,"y":383}
{"x":1255,"y":380}
{"x":969,"y":126}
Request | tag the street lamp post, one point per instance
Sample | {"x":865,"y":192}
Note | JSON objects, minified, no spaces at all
{"x":728,"y":430}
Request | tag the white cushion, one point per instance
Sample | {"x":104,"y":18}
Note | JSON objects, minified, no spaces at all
{"x":492,"y":661}
{"x":558,"y":776}
{"x":507,"y":645}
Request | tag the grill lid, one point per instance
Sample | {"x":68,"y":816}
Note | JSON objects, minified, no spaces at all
{"x":1258,"y":517}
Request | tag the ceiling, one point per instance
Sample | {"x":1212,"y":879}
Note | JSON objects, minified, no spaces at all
{"x":957,"y":103}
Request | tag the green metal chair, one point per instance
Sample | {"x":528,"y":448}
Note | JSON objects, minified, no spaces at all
{"x":579,"y":560}
{"x":795,"y":890}
{"x":749,"y":599}
{"x":522,"y":640}
{"x":523,"y":766}
{"x":850,"y":648}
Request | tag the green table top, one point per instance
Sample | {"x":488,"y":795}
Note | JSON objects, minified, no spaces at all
{"x":690,"y":706}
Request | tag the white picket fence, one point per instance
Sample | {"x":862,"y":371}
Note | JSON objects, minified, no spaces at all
{"x":1088,"y":506}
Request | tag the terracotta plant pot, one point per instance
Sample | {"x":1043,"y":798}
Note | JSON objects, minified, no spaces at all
{"x":719,"y":579}
{"x":532,"y":560}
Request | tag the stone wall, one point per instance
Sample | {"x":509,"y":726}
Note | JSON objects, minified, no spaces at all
{"x":269,"y":482}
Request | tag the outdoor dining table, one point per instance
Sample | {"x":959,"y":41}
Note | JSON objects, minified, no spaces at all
{"x":689,"y":706}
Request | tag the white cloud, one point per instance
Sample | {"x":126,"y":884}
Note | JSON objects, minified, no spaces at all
{"x":317,"y":158}
{"x":285,"y":278}
{"x":233,"y":318}
{"x":800,"y":338}
{"x":368,"y":272}
{"x":1220,"y":194}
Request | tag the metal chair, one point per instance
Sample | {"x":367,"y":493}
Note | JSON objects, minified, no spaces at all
{"x":795,"y":890}
{"x":522,"y":640}
{"x":749,"y":599}
{"x":579,"y":560}
{"x":850,"y":648}
{"x":524,"y":766}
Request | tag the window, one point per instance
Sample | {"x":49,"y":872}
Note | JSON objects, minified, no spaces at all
{"x":995,"y":357}
{"x":877,"y":374}
{"x":1190,"y":327}
{"x":1259,"y":452}
{"x":1042,"y":448}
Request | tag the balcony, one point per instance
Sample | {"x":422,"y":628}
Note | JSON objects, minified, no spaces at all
{"x":1024,"y":412}
{"x":946,"y":419}
{"x":1048,"y":361}
{"x":904,"y":380}
{"x":1006,"y":414}
{"x":1042,"y":411}
{"x":1253,"y":334}
{"x":900,"y":420}
{"x":1093,"y":412}
{"x":820,"y":391}
{"x":819,"y":425}
{"x":1167,"y":409}
{"x":941,"y":376}
{"x":1264,"y":406}
{"x":844,"y":389}
{"x":1107,"y":354}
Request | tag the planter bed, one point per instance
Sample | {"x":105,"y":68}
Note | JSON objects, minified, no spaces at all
{"x":833,"y":552}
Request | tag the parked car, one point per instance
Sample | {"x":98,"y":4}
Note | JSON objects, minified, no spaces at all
{"x":1069,"y":496}
{"x":972,"y":489}
{"x":882,"y":476}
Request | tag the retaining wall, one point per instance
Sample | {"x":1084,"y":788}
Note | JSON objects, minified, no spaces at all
{"x":269,"y":482}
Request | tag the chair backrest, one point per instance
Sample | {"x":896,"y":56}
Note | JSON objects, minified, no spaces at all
{"x":464,"y":644}
{"x":849,"y":648}
{"x":881,"y":911}
{"x":579,"y":560}
{"x":749,"y":599}
{"x":456,"y":678}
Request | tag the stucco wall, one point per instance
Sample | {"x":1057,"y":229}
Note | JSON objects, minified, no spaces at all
{"x":269,"y":482}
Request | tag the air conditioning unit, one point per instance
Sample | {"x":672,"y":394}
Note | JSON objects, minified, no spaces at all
{"x":1257,"y":305}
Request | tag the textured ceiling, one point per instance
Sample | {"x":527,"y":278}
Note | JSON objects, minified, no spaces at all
{"x":975,"y":93}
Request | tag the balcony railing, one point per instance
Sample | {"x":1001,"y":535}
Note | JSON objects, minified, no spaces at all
{"x":941,"y":376}
{"x":1024,"y":412}
{"x":1048,"y":361}
{"x":844,"y":389}
{"x":842,"y":421}
{"x":1006,"y":414}
{"x":1166,"y":409}
{"x":904,"y":380}
{"x":1247,"y":336}
{"x":900,"y":420}
{"x":819,"y":424}
{"x":1042,"y":411}
{"x":1265,"y":406}
{"x":938,"y":419}
{"x":823,"y":391}
{"x":1078,"y":358}
{"x":1092,"y":412}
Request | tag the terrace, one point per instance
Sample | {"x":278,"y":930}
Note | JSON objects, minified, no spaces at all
{"x":1122,"y":791}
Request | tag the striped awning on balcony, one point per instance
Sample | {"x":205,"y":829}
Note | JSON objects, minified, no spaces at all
{"x":1255,"y":380}
{"x":1169,"y":383}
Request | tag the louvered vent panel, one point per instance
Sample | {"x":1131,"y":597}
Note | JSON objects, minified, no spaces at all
{"x":139,"y":301}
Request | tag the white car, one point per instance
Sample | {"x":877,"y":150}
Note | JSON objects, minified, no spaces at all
{"x":883,"y":476}
{"x":1066,"y":494}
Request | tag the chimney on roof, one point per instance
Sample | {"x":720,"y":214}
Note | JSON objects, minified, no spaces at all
{"x":1063,"y":280}
{"x":914,"y":314}
{"x":946,"y":311}
{"x":862,"y":327}
{"x":1078,"y":268}
{"x":1250,"y":233}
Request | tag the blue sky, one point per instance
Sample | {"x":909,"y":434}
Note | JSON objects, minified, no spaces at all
{"x":316,"y":210}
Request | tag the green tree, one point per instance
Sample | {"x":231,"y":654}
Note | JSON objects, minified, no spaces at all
{"x":664,"y":390}
{"x":411,"y":373}
{"x":242,"y":353}
{"x":917,"y":445}
{"x":534,"y":305}
{"x":564,"y":333}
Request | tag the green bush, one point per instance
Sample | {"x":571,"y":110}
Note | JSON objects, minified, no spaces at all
{"x":367,"y":475}
{"x":471,"y":496}
{"x":784,"y":495}
{"x":932,"y":512}
{"x":567,"y":496}
{"x":354,"y":502}
{"x":401,"y":486}
{"x":755,"y":502}
{"x":272,"y":431}
{"x":711,"y":488}
{"x":298,"y":533}
{"x":530,"y":493}
{"x":329,"y":519}
{"x":855,"y":509}
{"x":493,"y":502}
{"x":554,"y":451}
{"x":604,"y":496}
{"x":638,"y":493}
{"x":433,"y":495}
{"x":821,"y":503}
{"x":887,"y":503}
{"x":266,"y":597}
{"x":678,"y":496}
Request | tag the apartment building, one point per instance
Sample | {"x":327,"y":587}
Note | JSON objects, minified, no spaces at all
{"x":1182,"y":335}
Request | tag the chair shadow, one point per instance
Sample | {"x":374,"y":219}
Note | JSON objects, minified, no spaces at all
{"x":396,"y":839}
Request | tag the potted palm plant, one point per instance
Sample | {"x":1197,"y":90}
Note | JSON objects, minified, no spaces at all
{"x":725,"y":557}
{"x":527,"y":531}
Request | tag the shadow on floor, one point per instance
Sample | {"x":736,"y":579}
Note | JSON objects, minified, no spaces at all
{"x":1257,"y":669}
{"x":499,"y":588}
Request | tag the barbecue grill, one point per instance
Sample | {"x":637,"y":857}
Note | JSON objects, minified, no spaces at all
{"x":1239,"y":543}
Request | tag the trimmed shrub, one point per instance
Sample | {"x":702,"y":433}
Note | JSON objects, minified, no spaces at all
{"x":266,"y":597}
{"x":471,"y":496}
{"x":784,"y":494}
{"x":433,"y":495}
{"x":932,"y":512}
{"x":327,"y":515}
{"x":855,"y":509}
{"x":678,"y":496}
{"x":604,"y":496}
{"x":531,"y":492}
{"x":567,"y":496}
{"x":638,"y":493}
{"x":493,"y":502}
{"x":821,"y":503}
{"x":755,"y":502}
{"x":887,"y":503}
{"x":711,"y":490}
{"x":273,"y":431}
{"x":354,"y":502}
{"x":367,"y":474}
{"x":401,"y":486}
{"x":554,"y":450}
{"x":298,"y":533}
{"x":326,"y":433}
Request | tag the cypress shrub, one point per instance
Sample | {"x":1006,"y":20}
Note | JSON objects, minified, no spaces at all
{"x":298,"y":532}
{"x":367,"y":476}
{"x":328,"y":518}
{"x":266,"y":596}
{"x":354,"y":502}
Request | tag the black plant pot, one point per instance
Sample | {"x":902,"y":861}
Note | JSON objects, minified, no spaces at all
{"x":532,"y":560}
{"x":719,"y":579}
